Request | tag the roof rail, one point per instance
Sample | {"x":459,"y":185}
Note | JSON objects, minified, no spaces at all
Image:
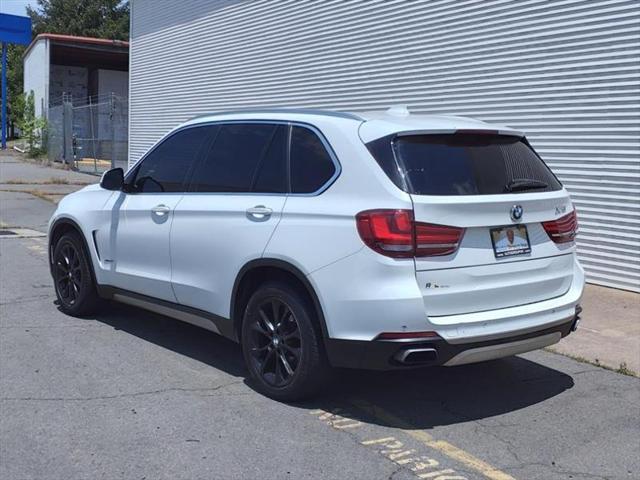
{"x":307,"y":111}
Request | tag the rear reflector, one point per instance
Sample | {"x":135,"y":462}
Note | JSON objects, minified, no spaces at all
{"x":564,"y":229}
{"x":406,"y":335}
{"x":395,"y":234}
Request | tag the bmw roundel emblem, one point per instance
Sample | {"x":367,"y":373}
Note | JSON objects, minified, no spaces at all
{"x":516,"y":212}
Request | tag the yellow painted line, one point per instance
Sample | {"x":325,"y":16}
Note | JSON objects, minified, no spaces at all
{"x":441,"y":446}
{"x":467,"y":459}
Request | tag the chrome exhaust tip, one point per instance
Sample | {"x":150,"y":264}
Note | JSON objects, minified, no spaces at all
{"x":576,"y":318}
{"x":416,"y":356}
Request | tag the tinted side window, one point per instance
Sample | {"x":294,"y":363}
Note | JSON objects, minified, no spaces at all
{"x":271,"y":174}
{"x":244,"y":158}
{"x":166,"y":167}
{"x":311,"y":164}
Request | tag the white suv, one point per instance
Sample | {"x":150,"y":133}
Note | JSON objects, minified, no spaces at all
{"x":318,"y":239}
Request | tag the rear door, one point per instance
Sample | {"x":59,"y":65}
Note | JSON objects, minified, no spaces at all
{"x":497,"y":194}
{"x":234,"y":203}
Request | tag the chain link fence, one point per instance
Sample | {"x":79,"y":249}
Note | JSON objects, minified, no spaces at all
{"x":91,"y":135}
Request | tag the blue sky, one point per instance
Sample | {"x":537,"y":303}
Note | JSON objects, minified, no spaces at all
{"x":16,"y":7}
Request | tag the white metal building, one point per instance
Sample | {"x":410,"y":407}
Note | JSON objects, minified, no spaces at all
{"x":565,"y":71}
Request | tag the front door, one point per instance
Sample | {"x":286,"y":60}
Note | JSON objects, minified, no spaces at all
{"x":137,"y":245}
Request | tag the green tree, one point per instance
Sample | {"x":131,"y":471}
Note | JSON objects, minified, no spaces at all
{"x":15,"y":98}
{"x":89,"y":18}
{"x":33,"y":128}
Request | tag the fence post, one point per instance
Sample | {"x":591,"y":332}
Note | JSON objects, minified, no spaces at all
{"x":93,"y":133}
{"x":112,"y":110}
{"x":67,"y":132}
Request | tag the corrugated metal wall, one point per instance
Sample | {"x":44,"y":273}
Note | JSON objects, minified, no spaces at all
{"x":565,"y":71}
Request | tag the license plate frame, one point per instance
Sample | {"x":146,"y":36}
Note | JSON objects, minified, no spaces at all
{"x":503,"y":247}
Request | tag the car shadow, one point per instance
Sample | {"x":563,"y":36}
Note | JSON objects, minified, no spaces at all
{"x":422,"y":398}
{"x":437,"y":396}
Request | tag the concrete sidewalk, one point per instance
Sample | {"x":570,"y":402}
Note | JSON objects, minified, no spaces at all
{"x":609,"y":332}
{"x":19,"y":175}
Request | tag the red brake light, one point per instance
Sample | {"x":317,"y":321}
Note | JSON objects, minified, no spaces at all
{"x":395,"y":234}
{"x":389,"y":232}
{"x":563,"y":229}
{"x":432,"y":240}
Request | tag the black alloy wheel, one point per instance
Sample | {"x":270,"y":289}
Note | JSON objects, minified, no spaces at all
{"x":68,"y":274}
{"x":282,"y":343}
{"x":72,"y":277}
{"x":275,"y":344}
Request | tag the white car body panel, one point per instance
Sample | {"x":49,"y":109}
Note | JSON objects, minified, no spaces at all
{"x":138,"y":257}
{"x":220,"y":226}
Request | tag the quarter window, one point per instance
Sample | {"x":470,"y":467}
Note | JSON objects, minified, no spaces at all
{"x":244,"y":158}
{"x":166,"y":167}
{"x":311,"y":164}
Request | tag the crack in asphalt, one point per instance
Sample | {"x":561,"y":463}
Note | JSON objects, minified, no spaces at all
{"x":560,"y":471}
{"x":395,"y":472}
{"x":27,"y":299}
{"x":123,"y":395}
{"x":345,"y":412}
{"x":479,"y":427}
{"x":37,"y":327}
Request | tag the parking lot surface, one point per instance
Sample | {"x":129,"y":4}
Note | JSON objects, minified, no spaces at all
{"x":133,"y":395}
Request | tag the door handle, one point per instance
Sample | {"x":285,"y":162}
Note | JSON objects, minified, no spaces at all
{"x":161,"y":210}
{"x":259,"y":212}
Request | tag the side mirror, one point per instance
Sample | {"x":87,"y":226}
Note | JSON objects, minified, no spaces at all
{"x":112,"y":179}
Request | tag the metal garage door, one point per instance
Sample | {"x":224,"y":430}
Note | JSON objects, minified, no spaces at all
{"x":567,"y":72}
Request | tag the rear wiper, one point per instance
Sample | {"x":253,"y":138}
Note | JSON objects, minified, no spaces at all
{"x":522,"y":184}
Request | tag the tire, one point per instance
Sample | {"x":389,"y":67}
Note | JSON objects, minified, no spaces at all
{"x":72,"y":277}
{"x":281,"y":345}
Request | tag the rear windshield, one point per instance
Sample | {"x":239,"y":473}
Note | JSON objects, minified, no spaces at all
{"x":462,"y":164}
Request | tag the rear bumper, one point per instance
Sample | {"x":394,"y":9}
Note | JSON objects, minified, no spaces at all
{"x":387,"y":355}
{"x":385,"y":297}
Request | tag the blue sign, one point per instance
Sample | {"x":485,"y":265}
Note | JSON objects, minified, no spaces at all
{"x":13,"y":29}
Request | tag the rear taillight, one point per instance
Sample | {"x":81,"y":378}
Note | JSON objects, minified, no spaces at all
{"x":389,"y":232}
{"x":434,"y":240}
{"x":395,"y":234}
{"x":564,"y":229}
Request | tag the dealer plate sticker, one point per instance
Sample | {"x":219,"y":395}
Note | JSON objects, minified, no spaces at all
{"x":510,"y":240}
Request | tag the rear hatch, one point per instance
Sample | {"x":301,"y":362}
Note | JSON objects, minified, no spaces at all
{"x":511,"y":225}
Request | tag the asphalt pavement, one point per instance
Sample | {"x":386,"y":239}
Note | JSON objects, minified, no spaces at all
{"x":128,"y":394}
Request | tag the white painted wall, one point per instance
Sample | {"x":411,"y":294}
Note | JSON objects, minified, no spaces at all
{"x":36,"y":75}
{"x":564,"y":71}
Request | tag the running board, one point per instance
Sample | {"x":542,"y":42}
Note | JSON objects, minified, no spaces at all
{"x":199,"y":318}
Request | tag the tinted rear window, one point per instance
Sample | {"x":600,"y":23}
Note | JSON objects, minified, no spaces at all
{"x":462,"y":164}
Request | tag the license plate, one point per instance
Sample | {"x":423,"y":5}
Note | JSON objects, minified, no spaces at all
{"x":510,"y":240}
